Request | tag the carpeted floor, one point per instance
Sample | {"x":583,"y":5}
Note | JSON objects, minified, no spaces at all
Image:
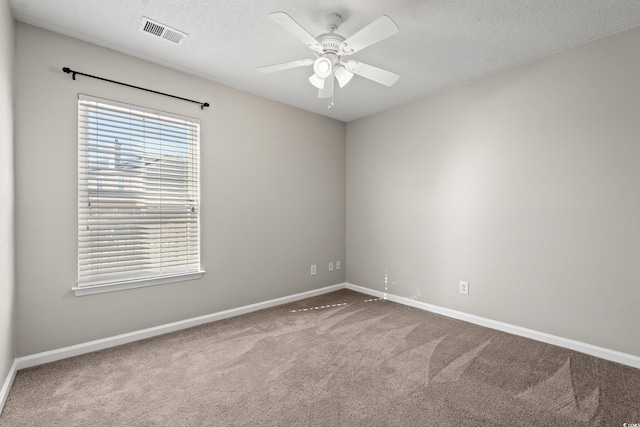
{"x":341,"y":359}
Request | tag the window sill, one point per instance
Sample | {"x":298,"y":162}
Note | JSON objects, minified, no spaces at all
{"x":121,"y":286}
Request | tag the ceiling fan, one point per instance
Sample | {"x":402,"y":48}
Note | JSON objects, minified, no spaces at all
{"x":331,"y":50}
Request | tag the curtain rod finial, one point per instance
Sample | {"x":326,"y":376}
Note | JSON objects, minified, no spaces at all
{"x":69,"y":70}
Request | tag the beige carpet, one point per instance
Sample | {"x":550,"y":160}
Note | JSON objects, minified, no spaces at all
{"x":341,"y":359}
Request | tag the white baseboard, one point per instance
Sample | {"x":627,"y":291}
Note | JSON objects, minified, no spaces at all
{"x":91,"y":346}
{"x":592,"y":350}
{"x":8,"y":382}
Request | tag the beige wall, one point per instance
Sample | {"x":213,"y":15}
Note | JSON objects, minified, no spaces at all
{"x":273,"y":195}
{"x":525,"y":184}
{"x":7,"y":281}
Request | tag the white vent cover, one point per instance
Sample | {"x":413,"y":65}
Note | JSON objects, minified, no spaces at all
{"x":160,"y":30}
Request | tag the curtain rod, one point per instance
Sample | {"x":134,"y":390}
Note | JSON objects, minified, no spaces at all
{"x":73,"y":73}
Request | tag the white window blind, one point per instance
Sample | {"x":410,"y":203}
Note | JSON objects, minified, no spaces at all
{"x":138,"y":195}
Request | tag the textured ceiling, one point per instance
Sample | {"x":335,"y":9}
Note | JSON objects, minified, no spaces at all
{"x":441,"y":43}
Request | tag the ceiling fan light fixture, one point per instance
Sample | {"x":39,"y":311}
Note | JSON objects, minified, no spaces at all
{"x":317,"y":81}
{"x":322,"y":67}
{"x":343,"y":76}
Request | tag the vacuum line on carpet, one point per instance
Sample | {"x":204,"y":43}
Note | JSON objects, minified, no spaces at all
{"x":317,"y":307}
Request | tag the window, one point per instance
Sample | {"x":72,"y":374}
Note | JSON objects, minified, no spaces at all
{"x":138,"y":197}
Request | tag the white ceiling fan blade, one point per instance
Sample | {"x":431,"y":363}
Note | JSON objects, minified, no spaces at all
{"x":370,"y":72}
{"x":378,"y":30}
{"x":287,"y":22}
{"x":343,"y":76}
{"x":285,"y":66}
{"x":327,"y":90}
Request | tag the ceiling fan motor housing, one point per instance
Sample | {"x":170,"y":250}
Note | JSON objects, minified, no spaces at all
{"x":330,"y":42}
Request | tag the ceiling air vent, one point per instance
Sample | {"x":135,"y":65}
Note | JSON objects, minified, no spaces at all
{"x":160,"y":30}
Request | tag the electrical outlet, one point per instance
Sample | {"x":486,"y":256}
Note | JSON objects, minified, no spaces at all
{"x":313,"y":269}
{"x":331,"y":266}
{"x":337,"y":265}
{"x":464,"y":288}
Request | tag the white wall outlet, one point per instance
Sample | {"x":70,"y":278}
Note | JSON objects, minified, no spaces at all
{"x":331,"y":266}
{"x":337,"y":265}
{"x":464,"y":288}
{"x":313,"y":269}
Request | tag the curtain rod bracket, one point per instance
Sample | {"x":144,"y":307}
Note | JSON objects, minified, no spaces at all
{"x":73,"y":75}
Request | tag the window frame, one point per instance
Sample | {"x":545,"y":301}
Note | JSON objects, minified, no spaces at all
{"x":89,"y":189}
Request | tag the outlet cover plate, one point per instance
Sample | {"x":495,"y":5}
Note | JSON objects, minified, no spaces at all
{"x":464,"y":287}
